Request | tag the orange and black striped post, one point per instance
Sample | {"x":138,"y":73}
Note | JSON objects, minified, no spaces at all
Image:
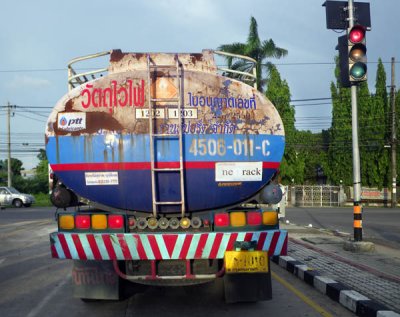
{"x":357,"y":212}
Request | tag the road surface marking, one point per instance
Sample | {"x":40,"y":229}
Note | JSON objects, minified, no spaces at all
{"x":36,"y":310}
{"x":303,"y":297}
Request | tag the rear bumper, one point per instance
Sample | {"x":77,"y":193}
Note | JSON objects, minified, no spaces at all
{"x":171,"y":246}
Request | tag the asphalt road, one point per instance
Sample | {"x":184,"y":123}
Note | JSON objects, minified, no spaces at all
{"x":33,"y":284}
{"x":380,"y":225}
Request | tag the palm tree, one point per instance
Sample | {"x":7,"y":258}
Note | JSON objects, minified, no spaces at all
{"x":255,"y":49}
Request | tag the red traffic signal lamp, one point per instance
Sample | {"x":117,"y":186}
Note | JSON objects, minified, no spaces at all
{"x":357,"y":54}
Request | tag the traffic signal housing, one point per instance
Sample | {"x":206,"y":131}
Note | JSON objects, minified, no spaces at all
{"x":357,"y":54}
{"x":352,"y":56}
{"x":343,"y":48}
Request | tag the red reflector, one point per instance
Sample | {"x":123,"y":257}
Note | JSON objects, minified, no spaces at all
{"x":82,"y":221}
{"x":254,"y":218}
{"x":115,"y":221}
{"x":221,"y":219}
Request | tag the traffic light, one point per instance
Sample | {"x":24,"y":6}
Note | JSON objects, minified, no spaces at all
{"x":343,"y":48}
{"x":357,"y":54}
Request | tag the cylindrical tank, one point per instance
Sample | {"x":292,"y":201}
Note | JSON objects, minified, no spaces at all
{"x":99,"y":140}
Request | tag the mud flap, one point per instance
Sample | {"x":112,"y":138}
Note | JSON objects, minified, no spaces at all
{"x":247,"y":274}
{"x":95,"y":280}
{"x":245,"y":287}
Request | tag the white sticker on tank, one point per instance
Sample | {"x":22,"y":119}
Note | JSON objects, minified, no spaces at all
{"x":238,"y":171}
{"x":101,"y":178}
{"x":72,"y":121}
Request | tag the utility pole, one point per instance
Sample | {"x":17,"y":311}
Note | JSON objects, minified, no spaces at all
{"x":9,"y":181}
{"x":394,"y":141}
{"x":357,"y":208}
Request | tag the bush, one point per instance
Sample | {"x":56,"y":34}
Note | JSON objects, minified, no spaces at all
{"x":42,"y":200}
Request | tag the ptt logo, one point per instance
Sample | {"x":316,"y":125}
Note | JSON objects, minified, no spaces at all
{"x":72,"y":121}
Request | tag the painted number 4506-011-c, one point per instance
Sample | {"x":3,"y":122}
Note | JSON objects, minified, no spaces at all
{"x":246,"y":262}
{"x":219,"y":147}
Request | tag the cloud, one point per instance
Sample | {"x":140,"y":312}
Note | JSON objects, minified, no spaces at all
{"x":25,"y":81}
{"x":182,"y":13}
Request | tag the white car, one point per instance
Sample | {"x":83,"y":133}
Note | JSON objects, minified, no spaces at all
{"x":9,"y":196}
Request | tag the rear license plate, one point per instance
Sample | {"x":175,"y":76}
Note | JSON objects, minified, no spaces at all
{"x":246,"y":262}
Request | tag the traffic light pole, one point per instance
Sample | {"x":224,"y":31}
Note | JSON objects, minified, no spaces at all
{"x":357,"y":208}
{"x":394,"y":141}
{"x":9,"y":174}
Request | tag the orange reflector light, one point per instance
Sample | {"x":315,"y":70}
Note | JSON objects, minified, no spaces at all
{"x":152,"y":223}
{"x":99,"y":222}
{"x":221,"y":219}
{"x":238,"y":218}
{"x":185,"y":223}
{"x":66,"y":222}
{"x":115,"y":221}
{"x":82,"y":221}
{"x":270,"y":218}
{"x":254,"y":218}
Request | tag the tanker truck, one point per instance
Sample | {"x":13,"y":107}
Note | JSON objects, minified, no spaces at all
{"x":164,"y":172}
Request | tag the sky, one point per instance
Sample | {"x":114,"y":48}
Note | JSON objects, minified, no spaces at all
{"x":38,"y":38}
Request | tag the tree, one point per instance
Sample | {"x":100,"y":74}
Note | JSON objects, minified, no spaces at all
{"x":256,"y":49}
{"x":340,"y":147}
{"x":374,"y":132}
{"x":292,"y":165}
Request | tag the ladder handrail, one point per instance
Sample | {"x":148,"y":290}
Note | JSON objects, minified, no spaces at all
{"x":151,"y":132}
{"x":73,"y":75}
{"x":252,"y":75}
{"x":152,"y":135}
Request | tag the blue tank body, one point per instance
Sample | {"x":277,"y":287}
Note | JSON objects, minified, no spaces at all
{"x":99,"y":140}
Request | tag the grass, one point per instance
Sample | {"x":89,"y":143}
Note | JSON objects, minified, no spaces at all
{"x":42,"y":200}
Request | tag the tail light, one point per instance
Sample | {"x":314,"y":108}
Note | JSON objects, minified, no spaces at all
{"x":142,"y":223}
{"x":221,"y":219}
{"x":237,"y":218}
{"x":132,"y":223}
{"x":174,"y":223}
{"x":270,"y":218}
{"x":152,"y":223}
{"x":196,"y":222}
{"x":115,"y":221}
{"x":163,"y":223}
{"x":184,"y":223}
{"x":254,"y":218}
{"x":99,"y":222}
{"x":66,"y":222}
{"x":82,"y":221}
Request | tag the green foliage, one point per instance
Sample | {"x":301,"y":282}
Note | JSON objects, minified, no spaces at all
{"x":38,"y":184}
{"x":256,"y":49}
{"x":42,"y":200}
{"x":374,"y":132}
{"x":340,"y":147}
{"x":279,"y":94}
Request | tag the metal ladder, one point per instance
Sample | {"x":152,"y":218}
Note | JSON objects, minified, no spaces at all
{"x":154,"y":136}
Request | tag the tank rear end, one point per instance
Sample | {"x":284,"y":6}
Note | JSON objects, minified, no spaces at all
{"x":164,"y":133}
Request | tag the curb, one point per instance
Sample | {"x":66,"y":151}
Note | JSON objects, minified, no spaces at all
{"x":359,"y":304}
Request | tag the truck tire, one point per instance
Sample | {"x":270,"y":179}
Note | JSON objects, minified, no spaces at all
{"x":17,"y":203}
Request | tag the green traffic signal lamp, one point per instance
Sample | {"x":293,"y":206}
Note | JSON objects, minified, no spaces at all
{"x":358,"y":71}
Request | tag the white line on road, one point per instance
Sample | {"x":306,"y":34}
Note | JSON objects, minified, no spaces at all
{"x":2,"y":260}
{"x":36,"y":311}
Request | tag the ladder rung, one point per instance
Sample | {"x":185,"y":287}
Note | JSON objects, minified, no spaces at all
{"x":164,"y":99}
{"x":168,"y":202}
{"x":168,"y":169}
{"x":163,"y":66}
{"x":165,"y":135}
